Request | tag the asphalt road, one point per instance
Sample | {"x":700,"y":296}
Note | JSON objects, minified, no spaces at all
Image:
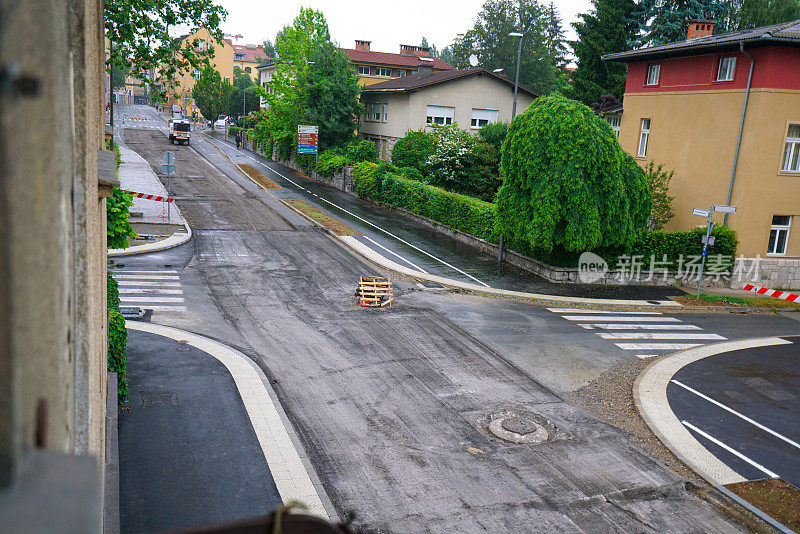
{"x":744,"y":407}
{"x":393,"y":405}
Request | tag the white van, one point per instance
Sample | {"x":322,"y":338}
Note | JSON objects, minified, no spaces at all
{"x":221,"y":124}
{"x":179,"y":130}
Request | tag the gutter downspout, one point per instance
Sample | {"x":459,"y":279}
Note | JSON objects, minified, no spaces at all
{"x":741,"y":126}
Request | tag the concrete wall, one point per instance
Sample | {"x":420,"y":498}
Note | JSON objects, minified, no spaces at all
{"x":694,"y":133}
{"x":52,"y":231}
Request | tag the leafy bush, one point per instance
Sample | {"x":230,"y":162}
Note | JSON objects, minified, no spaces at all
{"x":494,"y":134}
{"x":464,"y":213}
{"x":331,"y":161}
{"x":688,"y":243}
{"x":412,"y":173}
{"x":658,"y":180}
{"x":117,"y":209}
{"x":360,"y":150}
{"x":567,"y":182}
{"x":233,"y":130}
{"x":117,"y":339}
{"x":365,"y":180}
{"x":413,"y":150}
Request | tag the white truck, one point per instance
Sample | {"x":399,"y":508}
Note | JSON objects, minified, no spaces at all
{"x":179,"y":130}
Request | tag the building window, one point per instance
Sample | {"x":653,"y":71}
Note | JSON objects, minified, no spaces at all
{"x":727,"y":66}
{"x":653,"y":72}
{"x":238,"y":56}
{"x":382,"y":71}
{"x":377,"y":112}
{"x":363,"y":70}
{"x":614,"y":121}
{"x":791,"y":152}
{"x":779,"y":234}
{"x":440,"y":115}
{"x":401,"y":73}
{"x":196,"y":74}
{"x":247,"y":70}
{"x":482,"y":117}
{"x":644,"y":136}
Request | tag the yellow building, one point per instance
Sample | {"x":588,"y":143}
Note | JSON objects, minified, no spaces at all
{"x":180,"y":91}
{"x":684,"y":106}
{"x":248,"y":57}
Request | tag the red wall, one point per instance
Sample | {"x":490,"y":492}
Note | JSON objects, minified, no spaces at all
{"x":776,"y":67}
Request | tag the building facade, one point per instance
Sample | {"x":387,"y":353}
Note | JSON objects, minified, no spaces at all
{"x":377,"y":67}
{"x":470,"y":98}
{"x":684,"y":106}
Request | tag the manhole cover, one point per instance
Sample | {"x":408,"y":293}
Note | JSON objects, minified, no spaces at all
{"x":517,"y":429}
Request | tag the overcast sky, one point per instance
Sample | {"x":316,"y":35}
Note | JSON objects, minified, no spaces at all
{"x":387,"y":23}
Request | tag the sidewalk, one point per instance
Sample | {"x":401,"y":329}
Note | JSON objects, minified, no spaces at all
{"x":192,"y":450}
{"x":135,"y":174}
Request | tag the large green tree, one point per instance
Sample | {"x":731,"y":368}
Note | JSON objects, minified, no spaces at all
{"x":140,"y":32}
{"x":211,"y":94}
{"x":567,"y":183}
{"x":610,"y":27}
{"x":313,"y":84}
{"x":488,"y":39}
{"x":739,"y":15}
{"x":237,"y":104}
{"x":665,"y":21}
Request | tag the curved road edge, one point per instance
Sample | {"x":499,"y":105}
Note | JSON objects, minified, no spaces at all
{"x":176,"y":239}
{"x":291,"y":469}
{"x":650,"y":398}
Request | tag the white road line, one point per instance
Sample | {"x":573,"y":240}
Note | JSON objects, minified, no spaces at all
{"x":738,"y":414}
{"x":146,"y":277}
{"x":138,"y":283}
{"x":151,"y":299}
{"x":731,"y":450}
{"x":645,"y":356}
{"x":149,"y":291}
{"x":657,"y":335}
{"x":619,"y":318}
{"x":656,"y":346}
{"x":375,"y":226}
{"x":163,"y":308}
{"x":612,"y":326}
{"x":131,"y":271}
{"x":580,"y":310}
{"x":396,"y":254}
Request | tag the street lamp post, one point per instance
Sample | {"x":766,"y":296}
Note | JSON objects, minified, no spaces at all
{"x":516,"y":78}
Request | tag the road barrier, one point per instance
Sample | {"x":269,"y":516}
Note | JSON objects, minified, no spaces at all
{"x":149,"y":197}
{"x":774,"y":293}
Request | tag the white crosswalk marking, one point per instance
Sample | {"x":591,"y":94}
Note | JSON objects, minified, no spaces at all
{"x":650,"y":333}
{"x":157,"y":290}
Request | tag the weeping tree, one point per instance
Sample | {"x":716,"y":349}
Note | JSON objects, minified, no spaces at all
{"x":567,"y":184}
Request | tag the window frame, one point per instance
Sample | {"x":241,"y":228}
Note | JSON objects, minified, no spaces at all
{"x":431,"y":119}
{"x":402,"y":73}
{"x":791,"y":151}
{"x":478,"y":123}
{"x":616,"y":124}
{"x":650,"y":67}
{"x":379,"y":70}
{"x":778,"y":228}
{"x":360,"y":69}
{"x":644,"y":133}
{"x":722,"y":61}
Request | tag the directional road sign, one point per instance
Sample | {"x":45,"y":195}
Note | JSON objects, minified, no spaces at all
{"x":701,"y":213}
{"x":725,"y":209}
{"x":168,"y":158}
{"x":307,"y":139}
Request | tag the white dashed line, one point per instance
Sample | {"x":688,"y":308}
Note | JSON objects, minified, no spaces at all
{"x":612,"y":326}
{"x":656,"y":346}
{"x":620,"y":318}
{"x":658,"y":335}
{"x":731,"y":450}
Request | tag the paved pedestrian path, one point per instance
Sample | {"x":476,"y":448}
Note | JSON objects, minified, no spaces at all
{"x":647,"y":333}
{"x":135,"y":174}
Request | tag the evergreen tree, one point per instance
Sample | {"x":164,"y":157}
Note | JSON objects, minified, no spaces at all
{"x":554,"y":35}
{"x":489,"y":40}
{"x":666,"y":21}
{"x":747,"y":14}
{"x":610,"y":27}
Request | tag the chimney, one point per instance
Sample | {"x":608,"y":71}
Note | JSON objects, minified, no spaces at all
{"x":363,"y":45}
{"x":411,"y":50}
{"x":425,"y":67}
{"x":699,"y":28}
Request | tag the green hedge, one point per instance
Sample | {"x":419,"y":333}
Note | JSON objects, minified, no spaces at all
{"x":117,"y":339}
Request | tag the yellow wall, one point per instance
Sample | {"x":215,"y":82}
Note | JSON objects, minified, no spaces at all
{"x":695,"y":134}
{"x":242,"y":63}
{"x":222,"y":62}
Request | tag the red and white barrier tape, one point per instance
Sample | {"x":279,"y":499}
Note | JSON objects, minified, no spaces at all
{"x":767,"y":292}
{"x":149,"y":197}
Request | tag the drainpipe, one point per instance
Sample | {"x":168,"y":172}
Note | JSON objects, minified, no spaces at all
{"x":741,"y":126}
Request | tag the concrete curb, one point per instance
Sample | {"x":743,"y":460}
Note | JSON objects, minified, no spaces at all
{"x":650,"y":397}
{"x":291,"y":469}
{"x":176,"y":239}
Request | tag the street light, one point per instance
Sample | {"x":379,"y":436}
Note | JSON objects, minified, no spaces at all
{"x":516,"y":79}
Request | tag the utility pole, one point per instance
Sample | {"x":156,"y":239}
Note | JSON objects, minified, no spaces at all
{"x":111,"y":89}
{"x":516,"y":78}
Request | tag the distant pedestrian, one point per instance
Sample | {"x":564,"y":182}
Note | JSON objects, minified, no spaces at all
{"x":238,"y":140}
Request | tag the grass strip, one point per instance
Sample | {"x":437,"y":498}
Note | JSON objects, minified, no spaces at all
{"x":721,"y":300}
{"x":336,"y":226}
{"x":258,"y":177}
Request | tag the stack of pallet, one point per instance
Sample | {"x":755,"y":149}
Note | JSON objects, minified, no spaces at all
{"x":374,"y":292}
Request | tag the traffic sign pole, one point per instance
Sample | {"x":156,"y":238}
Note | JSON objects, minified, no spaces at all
{"x":168,"y":168}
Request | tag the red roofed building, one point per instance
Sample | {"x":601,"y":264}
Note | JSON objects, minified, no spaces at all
{"x":246,"y":56}
{"x":376,"y":67}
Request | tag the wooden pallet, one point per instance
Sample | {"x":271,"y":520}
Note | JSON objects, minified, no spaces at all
{"x":374,"y":292}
